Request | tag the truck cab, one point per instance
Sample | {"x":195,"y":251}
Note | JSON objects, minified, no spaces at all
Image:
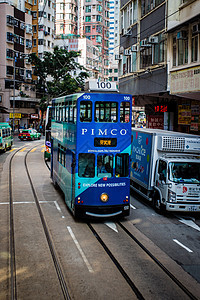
{"x":177,"y":182}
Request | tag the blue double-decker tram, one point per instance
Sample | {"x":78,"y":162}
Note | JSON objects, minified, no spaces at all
{"x":90,"y":157}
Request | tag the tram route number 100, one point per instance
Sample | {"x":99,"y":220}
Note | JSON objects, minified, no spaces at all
{"x":103,"y":85}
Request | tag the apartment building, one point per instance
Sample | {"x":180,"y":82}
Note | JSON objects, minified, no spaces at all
{"x":94,"y":25}
{"x":152,"y":48}
{"x":17,"y":90}
{"x":114,"y":40}
{"x":183,"y":56}
{"x":89,"y":57}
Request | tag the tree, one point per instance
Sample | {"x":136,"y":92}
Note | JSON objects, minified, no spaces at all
{"x":54,"y":74}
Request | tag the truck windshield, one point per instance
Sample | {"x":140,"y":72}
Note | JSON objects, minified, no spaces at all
{"x":187,"y":172}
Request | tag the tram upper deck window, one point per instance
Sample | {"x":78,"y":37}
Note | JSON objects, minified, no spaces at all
{"x":86,"y":165}
{"x":124,"y":112}
{"x":106,"y":111}
{"x":85,"y":111}
{"x":121,"y":165}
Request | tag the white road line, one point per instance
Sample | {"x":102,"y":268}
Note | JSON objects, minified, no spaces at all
{"x":25,"y":202}
{"x":186,"y":248}
{"x":133,"y":207}
{"x":111,"y":225}
{"x":57,"y":206}
{"x":80,"y":250}
{"x":190,"y":223}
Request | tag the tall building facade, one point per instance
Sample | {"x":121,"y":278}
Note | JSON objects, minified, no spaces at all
{"x":17,"y":90}
{"x":90,"y":19}
{"x":114,"y":40}
{"x":159,"y":47}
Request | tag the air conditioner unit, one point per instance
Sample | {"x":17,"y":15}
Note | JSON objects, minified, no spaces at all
{"x":118,"y":57}
{"x":181,"y":35}
{"x":134,"y":48}
{"x":143,"y":43}
{"x":196,"y":28}
{"x":128,"y":32}
{"x":127,"y":52}
{"x":153,"y":40}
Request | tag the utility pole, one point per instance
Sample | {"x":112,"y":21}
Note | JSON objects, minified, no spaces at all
{"x":15,"y":59}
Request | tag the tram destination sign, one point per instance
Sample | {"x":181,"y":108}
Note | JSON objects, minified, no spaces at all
{"x":101,"y":86}
{"x":104,"y":142}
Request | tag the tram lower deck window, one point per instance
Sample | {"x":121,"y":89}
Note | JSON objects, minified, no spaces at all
{"x":105,"y":165}
{"x":122,"y":165}
{"x":86,"y":165}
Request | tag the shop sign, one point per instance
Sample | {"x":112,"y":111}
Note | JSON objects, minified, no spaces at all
{"x":185,"y":81}
{"x":184,"y":115}
{"x":16,"y":115}
{"x":156,"y":122}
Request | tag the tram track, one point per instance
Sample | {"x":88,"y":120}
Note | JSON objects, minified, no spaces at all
{"x":57,"y":265}
{"x":130,"y":282}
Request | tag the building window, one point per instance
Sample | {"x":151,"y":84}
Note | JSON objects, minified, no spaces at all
{"x":87,"y":29}
{"x":10,"y":37}
{"x":9,"y":20}
{"x":182,"y":45}
{"x":9,"y":70}
{"x":146,"y":58}
{"x":174,"y":52}
{"x":9,"y":53}
{"x":194,"y":48}
{"x":88,"y":19}
{"x":148,"y":5}
{"x":159,"y":50}
{"x":88,"y":8}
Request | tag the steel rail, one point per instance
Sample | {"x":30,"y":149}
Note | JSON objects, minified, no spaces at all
{"x":171,"y":276}
{"x":117,"y":264}
{"x":13,"y":277}
{"x":48,"y":237}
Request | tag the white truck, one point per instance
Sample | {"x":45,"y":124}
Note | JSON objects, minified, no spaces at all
{"x":165,"y":168}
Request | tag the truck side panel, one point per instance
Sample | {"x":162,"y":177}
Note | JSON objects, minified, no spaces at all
{"x":141,"y":158}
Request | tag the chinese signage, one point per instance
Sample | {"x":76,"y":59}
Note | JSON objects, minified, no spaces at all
{"x":184,"y":115}
{"x":185,"y":81}
{"x":156,"y":122}
{"x":16,"y":116}
{"x":189,"y":115}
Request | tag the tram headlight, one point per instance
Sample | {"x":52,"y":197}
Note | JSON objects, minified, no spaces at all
{"x":104,"y":197}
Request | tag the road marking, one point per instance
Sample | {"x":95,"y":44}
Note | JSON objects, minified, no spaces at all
{"x":80,"y":250}
{"x":22,"y":150}
{"x":57,"y":206}
{"x":43,"y":146}
{"x":42,"y":150}
{"x":133,"y":207}
{"x":33,"y":149}
{"x":111,"y":225}
{"x":190,"y":223}
{"x":186,"y":248}
{"x":13,"y":149}
{"x":24,"y":202}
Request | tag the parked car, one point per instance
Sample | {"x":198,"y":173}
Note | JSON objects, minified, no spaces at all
{"x":29,"y":134}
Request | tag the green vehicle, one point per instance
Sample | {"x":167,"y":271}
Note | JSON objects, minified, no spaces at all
{"x":29,"y":134}
{"x":6,"y":138}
